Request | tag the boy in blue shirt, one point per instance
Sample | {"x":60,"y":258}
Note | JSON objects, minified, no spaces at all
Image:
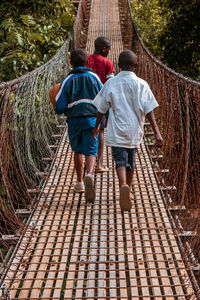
{"x":74,"y":99}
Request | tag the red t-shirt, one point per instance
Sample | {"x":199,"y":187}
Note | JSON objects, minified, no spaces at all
{"x":101,"y":65}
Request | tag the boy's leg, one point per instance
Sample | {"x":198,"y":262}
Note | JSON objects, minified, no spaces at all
{"x":89,"y":148}
{"x":130,"y":167}
{"x":89,"y":179}
{"x":121,"y":174}
{"x":78,"y":164}
{"x":82,"y":143}
{"x":74,"y":132}
{"x":100,"y":167}
{"x":121,"y":159}
{"x":129,"y":177}
{"x":125,"y":177}
{"x":100,"y":150}
{"x":90,"y":163}
{"x":129,"y":180}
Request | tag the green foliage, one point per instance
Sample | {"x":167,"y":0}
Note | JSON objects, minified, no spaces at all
{"x":170,"y":29}
{"x":30,"y":39}
{"x":150,"y":22}
{"x":180,"y":38}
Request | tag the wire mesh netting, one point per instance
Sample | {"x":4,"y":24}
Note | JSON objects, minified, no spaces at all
{"x":29,"y":132}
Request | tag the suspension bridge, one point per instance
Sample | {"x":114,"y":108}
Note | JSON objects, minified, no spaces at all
{"x":54,"y":245}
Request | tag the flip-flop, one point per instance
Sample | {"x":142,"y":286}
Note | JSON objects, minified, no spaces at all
{"x":124,"y":200}
{"x":89,"y":188}
{"x":101,"y":170}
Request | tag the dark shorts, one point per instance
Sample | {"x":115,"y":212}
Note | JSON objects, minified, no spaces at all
{"x":80,"y":135}
{"x":124,"y":157}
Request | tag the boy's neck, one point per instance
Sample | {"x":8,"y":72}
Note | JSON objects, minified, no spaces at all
{"x":99,"y":53}
{"x":128,"y":69}
{"x":78,"y":67}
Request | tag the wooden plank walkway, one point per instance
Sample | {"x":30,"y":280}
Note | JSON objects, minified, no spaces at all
{"x":74,"y":250}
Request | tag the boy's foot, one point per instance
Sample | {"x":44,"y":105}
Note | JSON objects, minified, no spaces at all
{"x":101,"y":169}
{"x":125,"y":199}
{"x":89,"y":188}
{"x":79,"y":187}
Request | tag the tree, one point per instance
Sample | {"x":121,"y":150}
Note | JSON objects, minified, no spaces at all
{"x":170,"y":29}
{"x":150,"y":23}
{"x":180,"y":38}
{"x":31,"y":32}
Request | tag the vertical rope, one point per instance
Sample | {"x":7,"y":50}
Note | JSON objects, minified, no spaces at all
{"x":187,"y":148}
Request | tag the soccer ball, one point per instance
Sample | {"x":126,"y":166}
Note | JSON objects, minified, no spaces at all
{"x":52,"y":94}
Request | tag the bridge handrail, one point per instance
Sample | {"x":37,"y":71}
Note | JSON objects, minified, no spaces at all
{"x":81,"y":24}
{"x":15,"y":81}
{"x":27,"y":129}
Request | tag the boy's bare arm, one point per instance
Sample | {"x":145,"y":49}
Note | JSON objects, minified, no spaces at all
{"x":159,"y":140}
{"x":96,"y":128}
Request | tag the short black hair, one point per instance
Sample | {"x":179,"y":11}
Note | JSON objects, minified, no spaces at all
{"x":101,"y":42}
{"x":127,"y":59}
{"x":78,"y":58}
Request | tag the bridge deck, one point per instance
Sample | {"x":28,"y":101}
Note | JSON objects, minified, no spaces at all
{"x":74,"y":250}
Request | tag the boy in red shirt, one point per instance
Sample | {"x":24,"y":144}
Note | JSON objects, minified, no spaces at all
{"x":103,"y":66}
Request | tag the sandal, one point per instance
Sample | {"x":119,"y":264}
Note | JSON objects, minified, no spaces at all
{"x":89,"y":188}
{"x":101,"y":170}
{"x":124,"y":200}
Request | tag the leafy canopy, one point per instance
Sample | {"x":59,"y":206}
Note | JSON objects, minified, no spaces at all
{"x":180,"y":38}
{"x":170,"y":29}
{"x":31,"y":32}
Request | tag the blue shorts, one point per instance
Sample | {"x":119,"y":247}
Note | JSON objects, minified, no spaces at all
{"x":124,"y":157}
{"x":80,"y":135}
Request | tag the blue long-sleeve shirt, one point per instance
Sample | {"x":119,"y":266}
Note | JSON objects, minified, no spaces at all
{"x":76,"y":93}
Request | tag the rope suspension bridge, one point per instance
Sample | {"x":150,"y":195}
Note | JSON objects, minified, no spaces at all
{"x":54,"y":245}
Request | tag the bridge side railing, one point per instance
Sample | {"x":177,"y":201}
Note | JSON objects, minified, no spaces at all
{"x":81,"y":24}
{"x":178,"y":115}
{"x":28,"y":129}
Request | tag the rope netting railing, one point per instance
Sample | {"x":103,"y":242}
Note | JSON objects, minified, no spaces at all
{"x":28,"y":132}
{"x":178,"y":167}
{"x":81,"y":24}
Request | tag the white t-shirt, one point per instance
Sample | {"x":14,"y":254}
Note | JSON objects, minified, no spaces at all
{"x":128,"y":99}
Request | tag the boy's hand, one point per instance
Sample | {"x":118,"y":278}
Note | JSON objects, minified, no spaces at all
{"x":106,"y":123}
{"x":95,"y":132}
{"x":159,"y":140}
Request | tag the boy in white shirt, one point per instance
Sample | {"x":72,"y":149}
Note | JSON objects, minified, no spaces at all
{"x":128,"y":99}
